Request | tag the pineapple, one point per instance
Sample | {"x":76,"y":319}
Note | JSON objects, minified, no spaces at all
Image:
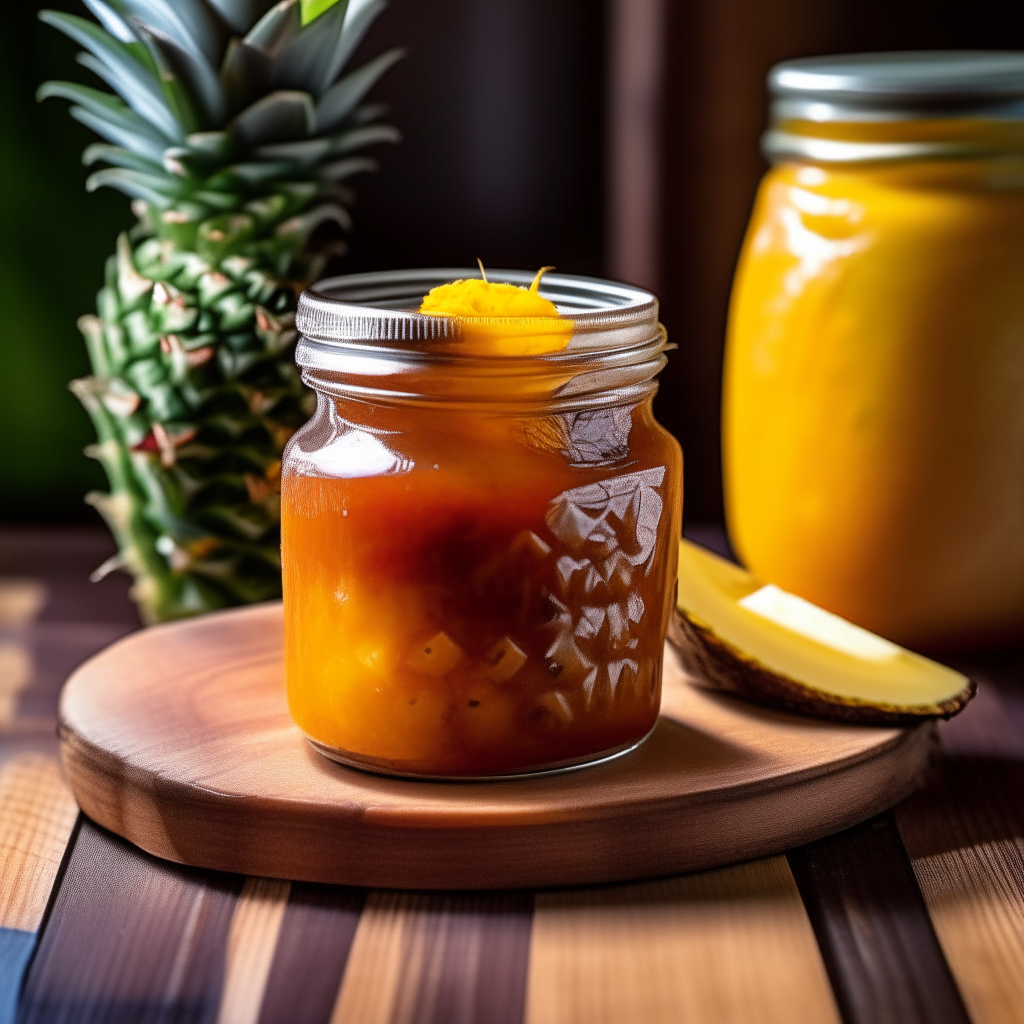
{"x":234,"y":131}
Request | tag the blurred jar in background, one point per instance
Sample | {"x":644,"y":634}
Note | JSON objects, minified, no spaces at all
{"x":874,"y":378}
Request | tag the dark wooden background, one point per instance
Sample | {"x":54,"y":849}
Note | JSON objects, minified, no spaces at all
{"x":603,"y":136}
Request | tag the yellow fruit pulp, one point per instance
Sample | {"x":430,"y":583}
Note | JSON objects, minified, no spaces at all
{"x":873,"y":414}
{"x":496,"y":318}
{"x":799,"y":641}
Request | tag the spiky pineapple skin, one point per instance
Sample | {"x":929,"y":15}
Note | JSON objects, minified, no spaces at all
{"x":194,"y":392}
{"x":196,"y":396}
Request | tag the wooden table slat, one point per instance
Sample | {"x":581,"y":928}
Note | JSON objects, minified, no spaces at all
{"x":130,"y":938}
{"x":437,"y":959}
{"x":965,"y":838}
{"x":884,"y":961}
{"x":37,"y":814}
{"x":732,"y":946}
{"x":252,"y":939}
{"x":312,"y":949}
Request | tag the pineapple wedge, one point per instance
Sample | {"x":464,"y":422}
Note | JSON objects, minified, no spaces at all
{"x":770,"y":647}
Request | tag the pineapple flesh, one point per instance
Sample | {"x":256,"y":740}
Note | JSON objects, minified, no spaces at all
{"x":234,"y":128}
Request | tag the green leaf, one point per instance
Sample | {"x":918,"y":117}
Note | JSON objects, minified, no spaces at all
{"x":111,"y":20}
{"x":181,"y":161}
{"x":299,"y":192}
{"x":217,"y":200}
{"x":258,"y":173}
{"x":342,"y":98}
{"x":358,"y":19}
{"x":245,"y":74}
{"x":367,"y":112}
{"x":193,"y":71}
{"x":277,"y":25}
{"x":116,"y":64}
{"x":298,"y":229}
{"x":92,"y":331}
{"x":280,"y":117}
{"x":304,"y":153}
{"x":221,"y":236}
{"x":214,"y":146}
{"x":187,"y":22}
{"x":339,"y":170}
{"x":370,"y":135}
{"x":174,"y":90}
{"x":110,"y":129}
{"x":148,"y":105}
{"x":241,"y":15}
{"x":151,"y":187}
{"x":120,"y":157}
{"x":180,"y":223}
{"x":305,"y":59}
{"x":112,"y":111}
{"x":312,"y":9}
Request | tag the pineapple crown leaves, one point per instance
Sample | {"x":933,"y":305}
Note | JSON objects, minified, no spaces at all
{"x":217,"y":101}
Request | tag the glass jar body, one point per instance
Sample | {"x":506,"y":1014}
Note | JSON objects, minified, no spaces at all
{"x":477,"y":590}
{"x":873,"y":422}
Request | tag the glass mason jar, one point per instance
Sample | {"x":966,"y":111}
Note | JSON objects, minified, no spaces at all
{"x":874,"y":380}
{"x":479,"y":551}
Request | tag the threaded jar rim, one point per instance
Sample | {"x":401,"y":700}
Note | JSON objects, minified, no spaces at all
{"x":362,"y":336}
{"x":937,"y":87}
{"x":380,"y":309}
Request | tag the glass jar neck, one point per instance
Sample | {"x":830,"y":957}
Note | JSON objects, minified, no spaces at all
{"x":386,"y":438}
{"x":894,"y":140}
{"x":558,"y":382}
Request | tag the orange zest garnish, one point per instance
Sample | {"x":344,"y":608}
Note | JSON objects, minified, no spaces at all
{"x":496,"y":318}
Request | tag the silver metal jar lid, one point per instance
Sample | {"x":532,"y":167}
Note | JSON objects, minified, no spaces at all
{"x":897,"y":86}
{"x":363,"y":335}
{"x":381,"y":309}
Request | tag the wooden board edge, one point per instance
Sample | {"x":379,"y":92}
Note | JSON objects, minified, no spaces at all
{"x":200,"y":828}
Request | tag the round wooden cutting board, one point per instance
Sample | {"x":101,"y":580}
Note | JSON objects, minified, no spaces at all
{"x":178,"y":738}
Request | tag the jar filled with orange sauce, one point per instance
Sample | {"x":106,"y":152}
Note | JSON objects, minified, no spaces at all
{"x":874,"y":381}
{"x":479,"y":528}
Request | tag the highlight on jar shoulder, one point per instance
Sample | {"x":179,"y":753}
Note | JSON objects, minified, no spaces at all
{"x":479,"y":522}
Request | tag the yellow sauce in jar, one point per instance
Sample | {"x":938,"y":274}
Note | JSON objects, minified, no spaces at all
{"x":874,"y":388}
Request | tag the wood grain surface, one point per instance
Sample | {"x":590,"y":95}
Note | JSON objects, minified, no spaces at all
{"x":37,"y":810}
{"x":252,"y":939}
{"x":313,"y":946}
{"x":965,"y":837}
{"x":179,"y":739}
{"x":37,"y":813}
{"x":130,"y":938}
{"x":729,"y":946}
{"x":875,"y":935}
{"x":424,"y":958}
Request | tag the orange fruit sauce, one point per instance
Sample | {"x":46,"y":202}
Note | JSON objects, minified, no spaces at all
{"x":470,"y":602}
